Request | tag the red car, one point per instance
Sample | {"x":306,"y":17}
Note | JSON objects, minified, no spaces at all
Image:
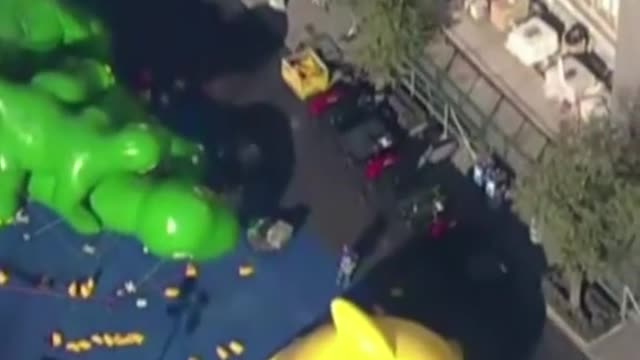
{"x":320,"y":103}
{"x":379,"y":163}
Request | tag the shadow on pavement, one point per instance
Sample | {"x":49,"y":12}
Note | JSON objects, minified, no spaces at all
{"x":189,"y":38}
{"x":368,"y":240}
{"x":249,"y":146}
{"x":456,"y":286}
{"x":296,"y":215}
{"x":265,"y":181}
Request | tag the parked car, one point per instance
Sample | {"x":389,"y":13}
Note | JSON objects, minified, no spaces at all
{"x":366,"y":127}
{"x":371,"y":143}
{"x":379,"y":163}
{"x":343,"y":104}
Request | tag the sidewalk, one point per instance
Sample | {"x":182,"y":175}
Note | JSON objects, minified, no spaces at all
{"x":302,"y":14}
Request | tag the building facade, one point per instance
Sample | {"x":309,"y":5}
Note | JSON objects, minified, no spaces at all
{"x":613,"y":28}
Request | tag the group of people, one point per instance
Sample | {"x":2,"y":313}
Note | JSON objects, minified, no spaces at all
{"x":441,"y":222}
{"x":149,"y":92}
{"x":492,"y":179}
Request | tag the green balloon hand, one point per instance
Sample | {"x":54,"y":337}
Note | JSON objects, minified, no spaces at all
{"x":174,"y":219}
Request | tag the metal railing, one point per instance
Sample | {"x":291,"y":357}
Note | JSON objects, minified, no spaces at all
{"x":434,"y":91}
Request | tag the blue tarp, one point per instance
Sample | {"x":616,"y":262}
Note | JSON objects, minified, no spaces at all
{"x":289,"y":291}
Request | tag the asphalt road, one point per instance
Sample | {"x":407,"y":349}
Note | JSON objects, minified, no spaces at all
{"x":503,"y":321}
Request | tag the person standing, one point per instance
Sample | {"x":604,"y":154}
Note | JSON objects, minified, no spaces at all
{"x":347,"y":267}
{"x":440,"y":223}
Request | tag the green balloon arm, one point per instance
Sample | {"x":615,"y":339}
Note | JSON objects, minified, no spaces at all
{"x":172,"y":218}
{"x":39,"y":135}
{"x":185,"y":158}
{"x":78,"y":26}
{"x":77,"y":82}
{"x":41,"y":188}
{"x":44,"y":25}
{"x":122,"y":106}
{"x":112,"y":212}
{"x":182,"y":157}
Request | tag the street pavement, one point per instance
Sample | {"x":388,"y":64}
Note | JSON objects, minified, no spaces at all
{"x":303,"y":168}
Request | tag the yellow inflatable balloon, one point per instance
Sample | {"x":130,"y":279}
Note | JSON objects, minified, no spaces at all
{"x":356,"y":335}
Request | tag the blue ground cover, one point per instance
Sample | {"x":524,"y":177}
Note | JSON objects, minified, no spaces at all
{"x":289,"y":291}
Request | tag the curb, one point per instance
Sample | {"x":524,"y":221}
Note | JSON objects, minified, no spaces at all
{"x":566,"y":329}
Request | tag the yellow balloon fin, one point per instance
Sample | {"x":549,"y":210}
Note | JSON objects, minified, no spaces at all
{"x":356,"y":327}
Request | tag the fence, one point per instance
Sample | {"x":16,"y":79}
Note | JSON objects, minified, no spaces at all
{"x":432,"y":89}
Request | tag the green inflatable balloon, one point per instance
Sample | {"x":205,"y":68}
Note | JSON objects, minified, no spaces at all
{"x":39,"y":135}
{"x":174,"y":219}
{"x":184,"y":158}
{"x":45,"y":25}
{"x":76,"y":80}
{"x":89,"y":150}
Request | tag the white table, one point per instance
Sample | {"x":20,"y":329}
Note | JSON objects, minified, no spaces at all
{"x":533,"y":41}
